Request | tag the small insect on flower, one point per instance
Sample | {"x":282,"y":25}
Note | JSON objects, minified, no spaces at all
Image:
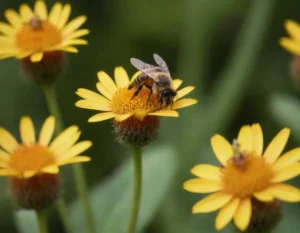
{"x":156,"y":78}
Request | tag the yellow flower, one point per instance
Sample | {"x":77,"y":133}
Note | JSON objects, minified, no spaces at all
{"x":38,"y":156}
{"x":247,"y":173}
{"x":292,"y":43}
{"x":116,"y":100}
{"x":35,"y":32}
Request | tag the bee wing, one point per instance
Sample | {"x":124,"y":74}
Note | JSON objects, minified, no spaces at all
{"x":162,"y":64}
{"x":144,"y":67}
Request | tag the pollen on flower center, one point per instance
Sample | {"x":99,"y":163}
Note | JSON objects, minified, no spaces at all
{"x":122,"y":102}
{"x":37,"y":35}
{"x":243,"y":181}
{"x":31,"y":157}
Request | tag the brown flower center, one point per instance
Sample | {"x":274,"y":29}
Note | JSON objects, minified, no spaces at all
{"x":246,"y":174}
{"x":31,"y":157}
{"x":37,"y":35}
{"x":122,"y":102}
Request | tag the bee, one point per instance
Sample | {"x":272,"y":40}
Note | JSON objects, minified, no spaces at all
{"x":156,"y":78}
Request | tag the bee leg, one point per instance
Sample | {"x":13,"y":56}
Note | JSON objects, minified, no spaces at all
{"x":150,"y":93}
{"x":137,"y":91}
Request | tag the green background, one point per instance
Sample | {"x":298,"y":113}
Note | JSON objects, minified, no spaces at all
{"x":228,"y":49}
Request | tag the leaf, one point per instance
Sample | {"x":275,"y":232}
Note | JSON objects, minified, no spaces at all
{"x":286,"y":110}
{"x":26,"y":221}
{"x":111,"y":200}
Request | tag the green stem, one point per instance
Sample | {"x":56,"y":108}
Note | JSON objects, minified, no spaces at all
{"x":42,"y":221}
{"x":77,"y":168}
{"x":62,"y":209}
{"x":137,"y":159}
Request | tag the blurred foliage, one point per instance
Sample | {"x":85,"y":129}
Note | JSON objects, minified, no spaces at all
{"x":241,"y":77}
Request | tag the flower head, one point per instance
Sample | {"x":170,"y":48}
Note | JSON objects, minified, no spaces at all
{"x":32,"y":33}
{"x":247,"y":174}
{"x":133,"y":116}
{"x":33,"y":165}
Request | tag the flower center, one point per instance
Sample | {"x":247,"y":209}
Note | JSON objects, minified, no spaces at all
{"x":245,"y":174}
{"x":31,"y":157}
{"x":37,"y":35}
{"x":122,"y":102}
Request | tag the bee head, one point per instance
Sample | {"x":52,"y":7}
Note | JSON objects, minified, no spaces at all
{"x":168,"y":95}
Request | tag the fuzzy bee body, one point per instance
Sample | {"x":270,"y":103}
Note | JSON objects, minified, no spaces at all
{"x":156,"y":78}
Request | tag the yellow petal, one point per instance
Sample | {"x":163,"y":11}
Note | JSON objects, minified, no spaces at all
{"x":184,"y":91}
{"x":4,"y":156}
{"x":285,"y":192}
{"x":287,"y":159}
{"x":107,"y":82}
{"x":68,"y":144}
{"x":69,"y":49}
{"x":199,"y":185}
{"x":176,"y":83}
{"x":36,"y":57}
{"x":55,"y":13}
{"x":77,"y":159}
{"x":121,"y":77}
{"x":102,"y":117}
{"x":211,"y":203}
{"x":165,"y":113}
{"x":27,"y":132}
{"x":183,"y":103}
{"x":47,"y":131}
{"x":122,"y":117}
{"x":7,"y":141}
{"x":286,"y":173}
{"x":64,"y":16}
{"x":7,"y":29}
{"x":50,"y":169}
{"x":135,"y":76}
{"x":73,"y":42}
{"x":264,"y":195}
{"x":91,"y":104}
{"x":257,"y":139}
{"x":222,"y":148}
{"x":226,"y":214}
{"x":90,"y":95}
{"x":8,"y":172}
{"x":29,"y":173}
{"x":63,"y":137}
{"x":104,"y":91}
{"x":26,"y":13}
{"x":207,"y":171}
{"x":74,"y":24}
{"x":245,"y":138}
{"x":276,"y":146}
{"x":40,"y":9}
{"x":75,"y":150}
{"x":242,"y":215}
{"x":13,"y":18}
{"x":76,"y":34}
{"x":290,"y":45}
{"x":293,"y":29}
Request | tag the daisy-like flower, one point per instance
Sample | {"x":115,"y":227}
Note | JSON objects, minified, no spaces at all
{"x":33,"y":33}
{"x":33,"y":165}
{"x":248,"y":175}
{"x":135,"y":118}
{"x":292,"y":43}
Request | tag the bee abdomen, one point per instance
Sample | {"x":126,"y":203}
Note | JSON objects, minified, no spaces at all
{"x":137,"y":81}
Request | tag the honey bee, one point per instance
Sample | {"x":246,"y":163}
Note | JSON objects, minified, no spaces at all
{"x":156,"y":78}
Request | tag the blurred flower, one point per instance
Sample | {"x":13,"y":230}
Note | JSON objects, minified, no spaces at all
{"x":33,"y":165}
{"x":135,"y":118}
{"x":35,"y":32}
{"x":248,"y":174}
{"x":292,"y":43}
